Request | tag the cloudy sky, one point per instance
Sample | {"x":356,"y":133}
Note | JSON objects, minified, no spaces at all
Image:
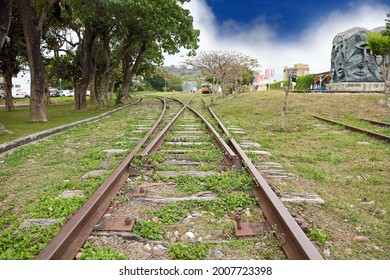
{"x":280,"y":33}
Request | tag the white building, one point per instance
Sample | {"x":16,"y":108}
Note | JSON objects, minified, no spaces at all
{"x":21,"y":84}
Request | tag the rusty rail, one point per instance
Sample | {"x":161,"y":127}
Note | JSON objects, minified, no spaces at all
{"x":230,"y":153}
{"x":156,"y":143}
{"x":357,"y":129}
{"x":295,"y":243}
{"x":231,"y":156}
{"x":66,"y":244}
{"x":377,"y":122}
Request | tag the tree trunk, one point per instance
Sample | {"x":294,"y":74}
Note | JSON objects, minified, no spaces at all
{"x":5,"y":19}
{"x":284,"y":109}
{"x":92,"y":87}
{"x":9,"y":103}
{"x":386,"y":74}
{"x":87,"y":68}
{"x":128,"y":77}
{"x":103,"y":90}
{"x":33,"y":34}
{"x":47,"y":92}
{"x":126,"y":61}
{"x":112,"y":90}
{"x":105,"y":77}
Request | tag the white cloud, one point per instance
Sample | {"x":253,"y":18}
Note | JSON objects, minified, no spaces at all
{"x":312,"y":46}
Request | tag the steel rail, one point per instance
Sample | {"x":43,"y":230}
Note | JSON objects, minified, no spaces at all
{"x":156,"y":143}
{"x":220,"y":140}
{"x":295,"y":243}
{"x":377,"y":122}
{"x":232,"y":155}
{"x":357,"y":129}
{"x":68,"y":241}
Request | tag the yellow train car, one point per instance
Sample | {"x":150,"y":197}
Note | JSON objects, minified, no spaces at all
{"x":206,"y":88}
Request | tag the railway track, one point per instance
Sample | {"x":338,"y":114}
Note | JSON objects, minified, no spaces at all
{"x":185,"y":194}
{"x":357,"y":129}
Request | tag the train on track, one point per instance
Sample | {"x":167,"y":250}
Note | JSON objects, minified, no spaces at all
{"x":206,"y":89}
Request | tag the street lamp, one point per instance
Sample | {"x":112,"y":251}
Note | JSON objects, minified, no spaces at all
{"x":60,"y":87}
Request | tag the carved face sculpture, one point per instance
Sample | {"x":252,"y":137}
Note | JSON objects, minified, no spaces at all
{"x":338,"y":58}
{"x":352,"y":60}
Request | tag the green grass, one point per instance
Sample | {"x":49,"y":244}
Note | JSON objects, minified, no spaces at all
{"x":327,"y":160}
{"x":19,"y":125}
{"x":33,"y":176}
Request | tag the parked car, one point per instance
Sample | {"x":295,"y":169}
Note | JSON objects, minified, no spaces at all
{"x":68,"y":92}
{"x":54,"y":92}
{"x":2,"y":93}
{"x":20,"y":94}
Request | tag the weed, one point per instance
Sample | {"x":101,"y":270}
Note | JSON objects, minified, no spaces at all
{"x":103,"y":253}
{"x":187,"y":251}
{"x":26,"y":243}
{"x":319,"y":235}
{"x":148,"y":230}
{"x":189,"y":184}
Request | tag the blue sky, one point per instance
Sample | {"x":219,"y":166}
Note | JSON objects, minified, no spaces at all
{"x":280,"y":33}
{"x":288,"y":18}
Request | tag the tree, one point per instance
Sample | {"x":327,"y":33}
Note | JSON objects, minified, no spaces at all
{"x":5,"y":19}
{"x":379,"y":44}
{"x":12,"y":56}
{"x":223,"y":67}
{"x":33,"y":15}
{"x":5,"y":22}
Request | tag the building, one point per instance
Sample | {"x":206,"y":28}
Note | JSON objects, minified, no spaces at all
{"x":320,"y":80}
{"x":299,"y":69}
{"x":189,"y":86}
{"x":20,"y":83}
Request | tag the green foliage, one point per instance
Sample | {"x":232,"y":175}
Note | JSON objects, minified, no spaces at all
{"x":378,"y":43}
{"x":157,"y":82}
{"x":172,"y":213}
{"x":222,"y":184}
{"x":187,"y":251}
{"x":157,"y":158}
{"x":276,"y":86}
{"x":304,"y":82}
{"x":189,"y":184}
{"x":148,"y":230}
{"x":103,"y":253}
{"x":26,"y":243}
{"x":319,"y":235}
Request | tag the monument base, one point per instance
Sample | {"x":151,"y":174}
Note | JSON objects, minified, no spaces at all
{"x":356,"y":87}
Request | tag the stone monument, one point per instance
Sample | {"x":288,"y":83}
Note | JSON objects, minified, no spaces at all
{"x":353,"y":66}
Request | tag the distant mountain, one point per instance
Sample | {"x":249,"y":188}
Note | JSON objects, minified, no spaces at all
{"x":182,"y":71}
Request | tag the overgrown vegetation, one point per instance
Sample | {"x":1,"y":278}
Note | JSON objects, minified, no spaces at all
{"x":187,"y":251}
{"x":341,"y":166}
{"x":304,"y":82}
